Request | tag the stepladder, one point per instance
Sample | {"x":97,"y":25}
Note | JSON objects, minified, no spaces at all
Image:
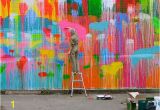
{"x":77,"y":78}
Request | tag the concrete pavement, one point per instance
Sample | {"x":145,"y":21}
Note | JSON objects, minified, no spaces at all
{"x":64,"y":102}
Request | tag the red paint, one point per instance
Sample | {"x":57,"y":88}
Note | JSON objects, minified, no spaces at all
{"x":47,"y":32}
{"x":56,"y":8}
{"x":21,"y":63}
{"x":1,"y":34}
{"x":57,"y":35}
{"x":75,"y":6}
{"x":11,"y":51}
{"x":48,"y":9}
{"x":1,"y":21}
{"x":42,"y":74}
{"x":23,"y":8}
{"x":85,"y":7}
{"x":6,"y":56}
{"x":39,"y":63}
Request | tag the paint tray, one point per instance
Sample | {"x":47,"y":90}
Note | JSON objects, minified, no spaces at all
{"x":104,"y":97}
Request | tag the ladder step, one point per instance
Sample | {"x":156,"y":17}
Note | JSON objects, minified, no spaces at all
{"x":77,"y":80}
{"x":78,"y":88}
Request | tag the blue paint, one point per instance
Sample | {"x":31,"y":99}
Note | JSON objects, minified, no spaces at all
{"x":78,"y":1}
{"x":80,"y":55}
{"x":47,"y":23}
{"x":145,"y":53}
{"x":32,"y":23}
{"x":5,"y":24}
{"x":119,"y":18}
{"x":55,"y":28}
{"x":58,"y":77}
{"x":74,"y":13}
{"x":99,"y":26}
{"x":58,"y":61}
{"x":105,"y":54}
{"x":5,"y":49}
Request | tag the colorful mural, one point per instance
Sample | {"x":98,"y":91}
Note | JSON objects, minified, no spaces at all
{"x":118,"y":43}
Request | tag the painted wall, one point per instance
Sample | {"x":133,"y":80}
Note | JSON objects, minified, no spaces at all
{"x":118,"y":43}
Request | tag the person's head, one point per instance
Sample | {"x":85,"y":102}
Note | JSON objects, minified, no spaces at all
{"x":72,"y":32}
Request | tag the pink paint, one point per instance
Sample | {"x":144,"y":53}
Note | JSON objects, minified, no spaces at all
{"x":81,"y":31}
{"x":2,"y":52}
{"x":23,"y":44}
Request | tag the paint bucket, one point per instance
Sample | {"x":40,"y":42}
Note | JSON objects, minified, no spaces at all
{"x":131,"y":106}
{"x":141,"y":104}
{"x":128,"y":105}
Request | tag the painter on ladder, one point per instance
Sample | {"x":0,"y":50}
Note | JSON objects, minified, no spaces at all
{"x":73,"y":53}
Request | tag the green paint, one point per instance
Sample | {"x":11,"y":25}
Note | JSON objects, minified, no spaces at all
{"x":66,"y":76}
{"x":80,"y":12}
{"x":36,"y":37}
{"x":101,"y":75}
{"x":156,"y":23}
{"x":95,"y":7}
{"x":50,"y":74}
{"x":59,"y":66}
{"x":96,"y":58}
{"x":117,"y":56}
{"x":42,"y":67}
{"x":69,"y":1}
{"x":123,"y":6}
{"x":86,"y":66}
{"x":2,"y":68}
{"x":18,"y":27}
{"x":145,"y":6}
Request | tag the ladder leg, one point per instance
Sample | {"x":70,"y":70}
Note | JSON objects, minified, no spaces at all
{"x":72,"y":84}
{"x":83,"y":85}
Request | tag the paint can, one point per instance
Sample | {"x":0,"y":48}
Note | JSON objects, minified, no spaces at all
{"x":131,"y":106}
{"x":141,"y":104}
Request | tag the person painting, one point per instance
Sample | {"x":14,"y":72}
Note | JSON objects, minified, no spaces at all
{"x":73,"y":53}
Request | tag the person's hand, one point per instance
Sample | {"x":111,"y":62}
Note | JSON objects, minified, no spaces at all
{"x":69,"y":52}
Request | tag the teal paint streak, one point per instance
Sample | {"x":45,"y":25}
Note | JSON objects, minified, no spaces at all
{"x":145,"y":53}
{"x":99,"y":26}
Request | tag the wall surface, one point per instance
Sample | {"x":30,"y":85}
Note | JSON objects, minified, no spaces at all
{"x":118,"y":43}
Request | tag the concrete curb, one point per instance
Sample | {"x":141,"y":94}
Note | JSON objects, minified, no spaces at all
{"x":90,"y":91}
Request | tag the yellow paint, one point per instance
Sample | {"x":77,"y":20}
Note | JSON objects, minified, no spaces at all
{"x":14,"y":8}
{"x":61,"y":55}
{"x":12,"y":104}
{"x":4,"y":11}
{"x":35,"y":43}
{"x":7,"y":42}
{"x":53,"y":39}
{"x":157,"y":43}
{"x":112,"y":68}
{"x":36,"y":10}
{"x":47,"y":53}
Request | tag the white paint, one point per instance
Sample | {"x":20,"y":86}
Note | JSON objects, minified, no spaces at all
{"x":108,"y":3}
{"x":29,"y":2}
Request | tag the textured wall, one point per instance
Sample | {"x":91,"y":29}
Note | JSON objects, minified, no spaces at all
{"x":118,"y":43}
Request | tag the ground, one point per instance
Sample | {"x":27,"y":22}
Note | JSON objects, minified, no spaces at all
{"x":65,"y":102}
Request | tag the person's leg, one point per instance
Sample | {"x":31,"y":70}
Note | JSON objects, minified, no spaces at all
{"x":77,"y":63}
{"x":73,"y":61}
